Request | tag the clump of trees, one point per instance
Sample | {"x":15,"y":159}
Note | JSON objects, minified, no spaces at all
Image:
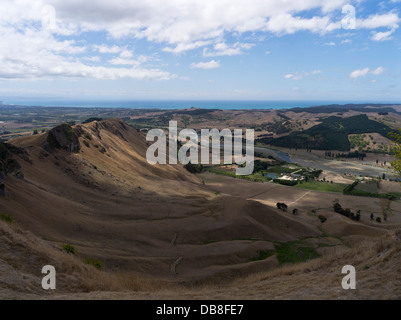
{"x":194,"y":168}
{"x":378,"y":219}
{"x":92,"y":119}
{"x":282,"y":206}
{"x":347,"y":212}
{"x":286,"y":182}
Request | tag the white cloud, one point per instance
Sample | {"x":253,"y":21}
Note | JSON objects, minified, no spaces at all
{"x":359,"y":73}
{"x":34,"y":54}
{"x":92,"y":59}
{"x":288,"y":24}
{"x":182,"y":25}
{"x":30,"y":46}
{"x":382,"y":36}
{"x":363,"y":72}
{"x":390,"y":20}
{"x":105,"y":49}
{"x":293,"y":76}
{"x":222,"y":49}
{"x":331,"y":44}
{"x":299,"y":76}
{"x":378,"y":71}
{"x":205,"y":65}
{"x":182,"y":47}
{"x":126,"y":54}
{"x":124,"y":59}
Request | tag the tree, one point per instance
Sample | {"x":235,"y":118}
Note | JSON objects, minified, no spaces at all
{"x":337,"y":207}
{"x":282,"y":206}
{"x":194,"y":168}
{"x":295,"y":211}
{"x":396,"y":137}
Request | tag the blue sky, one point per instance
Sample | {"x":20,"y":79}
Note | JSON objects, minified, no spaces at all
{"x":200,"y":50}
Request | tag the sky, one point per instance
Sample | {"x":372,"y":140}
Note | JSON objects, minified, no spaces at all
{"x":201,"y":50}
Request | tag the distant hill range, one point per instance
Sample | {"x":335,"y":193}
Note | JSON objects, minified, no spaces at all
{"x":379,"y":108}
{"x":331,"y":134}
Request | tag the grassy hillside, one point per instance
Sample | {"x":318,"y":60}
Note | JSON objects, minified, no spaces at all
{"x":377,"y":263}
{"x":331,"y":134}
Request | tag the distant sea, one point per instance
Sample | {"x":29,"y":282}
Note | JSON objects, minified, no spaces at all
{"x":178,"y":104}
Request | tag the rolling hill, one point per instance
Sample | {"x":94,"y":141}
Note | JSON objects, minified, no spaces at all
{"x":157,"y":229}
{"x":331,"y":134}
{"x":90,"y":186}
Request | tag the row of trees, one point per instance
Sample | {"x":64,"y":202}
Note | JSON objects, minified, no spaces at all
{"x":356,"y":154}
{"x":347,"y":212}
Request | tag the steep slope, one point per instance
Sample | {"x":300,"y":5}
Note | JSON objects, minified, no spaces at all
{"x":98,"y":193}
{"x":377,"y":263}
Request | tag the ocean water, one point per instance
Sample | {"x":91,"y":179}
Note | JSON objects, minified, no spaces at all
{"x":174,"y":104}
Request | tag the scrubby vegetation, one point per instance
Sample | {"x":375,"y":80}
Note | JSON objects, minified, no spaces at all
{"x":290,"y":252}
{"x":357,"y":141}
{"x":69,"y":248}
{"x":6,"y":217}
{"x":95,"y":262}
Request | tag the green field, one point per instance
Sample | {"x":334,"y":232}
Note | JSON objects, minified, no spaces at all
{"x":321,"y":186}
{"x":280,"y":169}
{"x":368,"y":186}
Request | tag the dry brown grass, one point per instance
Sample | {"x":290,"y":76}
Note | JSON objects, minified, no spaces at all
{"x":377,"y":262}
{"x":377,"y":266}
{"x":73,"y":198}
{"x":22,"y":256}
